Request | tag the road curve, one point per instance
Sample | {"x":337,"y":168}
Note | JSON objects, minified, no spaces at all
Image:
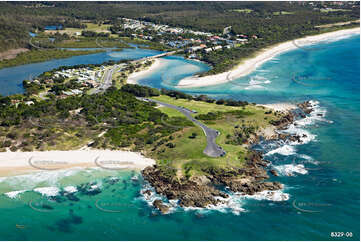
{"x":212,"y":149}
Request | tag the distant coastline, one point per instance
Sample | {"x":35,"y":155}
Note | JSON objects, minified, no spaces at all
{"x":249,"y":65}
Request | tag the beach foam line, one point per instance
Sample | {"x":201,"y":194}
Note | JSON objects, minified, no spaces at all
{"x":17,"y":163}
{"x":70,"y":189}
{"x":14,"y":194}
{"x":47,"y":191}
{"x":249,"y":65}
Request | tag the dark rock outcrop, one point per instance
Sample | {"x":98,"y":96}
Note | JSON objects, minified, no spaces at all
{"x":274,"y":172}
{"x":189,"y":193}
{"x":202,"y":191}
{"x":306,"y":107}
{"x":164,"y":209}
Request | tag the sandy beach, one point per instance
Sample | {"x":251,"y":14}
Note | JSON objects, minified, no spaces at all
{"x":17,"y":163}
{"x":132,"y":77}
{"x":262,"y":56}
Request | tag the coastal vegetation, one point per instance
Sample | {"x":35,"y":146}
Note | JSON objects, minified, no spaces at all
{"x":116,"y":119}
{"x":125,"y":122}
{"x":74,"y":121}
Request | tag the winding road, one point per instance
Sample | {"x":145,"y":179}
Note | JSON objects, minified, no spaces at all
{"x":212,"y":149}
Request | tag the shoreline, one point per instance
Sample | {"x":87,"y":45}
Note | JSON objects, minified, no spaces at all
{"x":280,"y":107}
{"x":19,"y":163}
{"x":132,"y":77}
{"x":250,"y":64}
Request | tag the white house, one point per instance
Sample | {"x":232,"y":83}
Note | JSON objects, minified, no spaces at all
{"x":218,"y":47}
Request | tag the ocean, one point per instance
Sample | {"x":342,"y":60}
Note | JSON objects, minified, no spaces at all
{"x":321,"y":175}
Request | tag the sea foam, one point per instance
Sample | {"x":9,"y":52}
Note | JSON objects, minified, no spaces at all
{"x":47,"y":191}
{"x":276,"y":196}
{"x":283,"y":150}
{"x":14,"y":194}
{"x":291,"y":169}
{"x":70,"y":189}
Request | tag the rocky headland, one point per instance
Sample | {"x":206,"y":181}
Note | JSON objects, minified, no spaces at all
{"x":209,"y":189}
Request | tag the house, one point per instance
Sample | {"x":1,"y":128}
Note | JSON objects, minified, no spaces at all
{"x":208,"y":50}
{"x":195,"y":48}
{"x":193,"y":56}
{"x":29,"y":103}
{"x":218,"y":47}
{"x":76,"y":91}
{"x":242,"y":40}
{"x":15,"y":101}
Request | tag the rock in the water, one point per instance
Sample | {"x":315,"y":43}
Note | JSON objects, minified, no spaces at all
{"x":159,"y":205}
{"x":147,"y":192}
{"x":274,"y":172}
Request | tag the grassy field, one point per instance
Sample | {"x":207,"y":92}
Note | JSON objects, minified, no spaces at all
{"x":324,"y":10}
{"x":187,"y":155}
{"x":245,"y":10}
{"x":283,"y":13}
{"x":98,"y":28}
{"x":200,"y":107}
{"x":90,"y":27}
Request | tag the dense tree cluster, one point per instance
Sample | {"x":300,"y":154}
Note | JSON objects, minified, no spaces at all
{"x":140,"y":91}
{"x":127,"y":121}
{"x":88,"y":33}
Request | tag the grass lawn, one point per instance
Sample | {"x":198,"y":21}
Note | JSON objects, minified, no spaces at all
{"x":282,"y":13}
{"x":245,"y":10}
{"x":90,"y":27}
{"x":97,"y":27}
{"x":324,"y":10}
{"x":200,"y":107}
{"x":187,"y":155}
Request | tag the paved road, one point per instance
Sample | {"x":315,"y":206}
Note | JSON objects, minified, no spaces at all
{"x":107,"y":80}
{"x":212,"y":149}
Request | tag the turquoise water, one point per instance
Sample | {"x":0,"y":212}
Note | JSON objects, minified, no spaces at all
{"x":11,"y":78}
{"x":324,"y":200}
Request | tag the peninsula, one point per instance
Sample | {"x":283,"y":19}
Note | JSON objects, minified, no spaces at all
{"x":188,"y":144}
